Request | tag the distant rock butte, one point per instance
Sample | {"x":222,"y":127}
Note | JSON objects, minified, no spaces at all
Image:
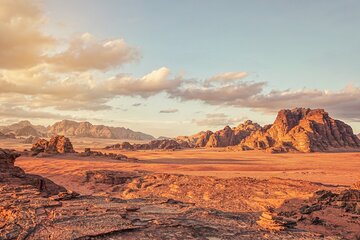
{"x":304,"y":130}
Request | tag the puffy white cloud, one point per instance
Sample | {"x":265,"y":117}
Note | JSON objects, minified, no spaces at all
{"x":87,"y":53}
{"x":37,"y":88}
{"x":22,"y":43}
{"x":153,"y":83}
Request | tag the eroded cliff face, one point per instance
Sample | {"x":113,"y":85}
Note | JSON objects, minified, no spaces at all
{"x":304,"y":130}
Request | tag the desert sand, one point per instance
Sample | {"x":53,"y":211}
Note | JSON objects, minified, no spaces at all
{"x":327,"y":168}
{"x":244,"y":183}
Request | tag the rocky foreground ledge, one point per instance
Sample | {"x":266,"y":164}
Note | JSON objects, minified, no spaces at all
{"x":33,"y":207}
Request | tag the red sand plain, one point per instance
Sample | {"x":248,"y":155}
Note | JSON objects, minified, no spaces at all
{"x":330,"y":168}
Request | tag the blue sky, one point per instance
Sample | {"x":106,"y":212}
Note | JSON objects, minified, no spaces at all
{"x":288,"y":43}
{"x":293,"y":47}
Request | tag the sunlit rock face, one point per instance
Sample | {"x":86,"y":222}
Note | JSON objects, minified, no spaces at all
{"x":304,"y":130}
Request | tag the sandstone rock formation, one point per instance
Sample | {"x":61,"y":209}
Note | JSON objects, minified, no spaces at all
{"x":325,"y":211}
{"x":303,"y":130}
{"x":57,"y":144}
{"x":88,"y":153}
{"x":274,"y":222}
{"x":197,"y":140}
{"x":10,"y":174}
{"x":222,"y":138}
{"x":232,"y":136}
{"x":86,"y":129}
{"x":165,"y":144}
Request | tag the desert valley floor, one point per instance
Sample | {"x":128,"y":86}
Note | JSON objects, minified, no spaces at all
{"x":240,"y":186}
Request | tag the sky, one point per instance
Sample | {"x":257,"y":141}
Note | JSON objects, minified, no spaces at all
{"x":172,"y":68}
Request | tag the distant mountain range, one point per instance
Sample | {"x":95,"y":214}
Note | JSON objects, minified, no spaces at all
{"x":72,"y":129}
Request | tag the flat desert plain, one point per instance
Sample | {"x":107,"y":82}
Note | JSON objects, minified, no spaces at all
{"x":328,"y":168}
{"x":257,"y":187}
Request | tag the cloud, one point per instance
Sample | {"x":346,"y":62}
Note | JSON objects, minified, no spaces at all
{"x":227,"y":77}
{"x":38,"y":88}
{"x":169,"y":111}
{"x":18,"y":112}
{"x":85,"y":52}
{"x":151,"y":84}
{"x":343,"y":103}
{"x":22,"y":44}
{"x":136,"y":104}
{"x":218,"y":120}
{"x":219,"y":94}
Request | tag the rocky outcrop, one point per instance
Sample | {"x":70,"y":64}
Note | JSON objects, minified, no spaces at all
{"x":221,"y":138}
{"x":232,"y":136}
{"x":304,"y":130}
{"x":165,"y":144}
{"x":325,"y":211}
{"x":57,"y":144}
{"x":88,"y":153}
{"x":10,"y":174}
{"x":273,"y":222}
{"x":197,"y":140}
{"x":86,"y":129}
